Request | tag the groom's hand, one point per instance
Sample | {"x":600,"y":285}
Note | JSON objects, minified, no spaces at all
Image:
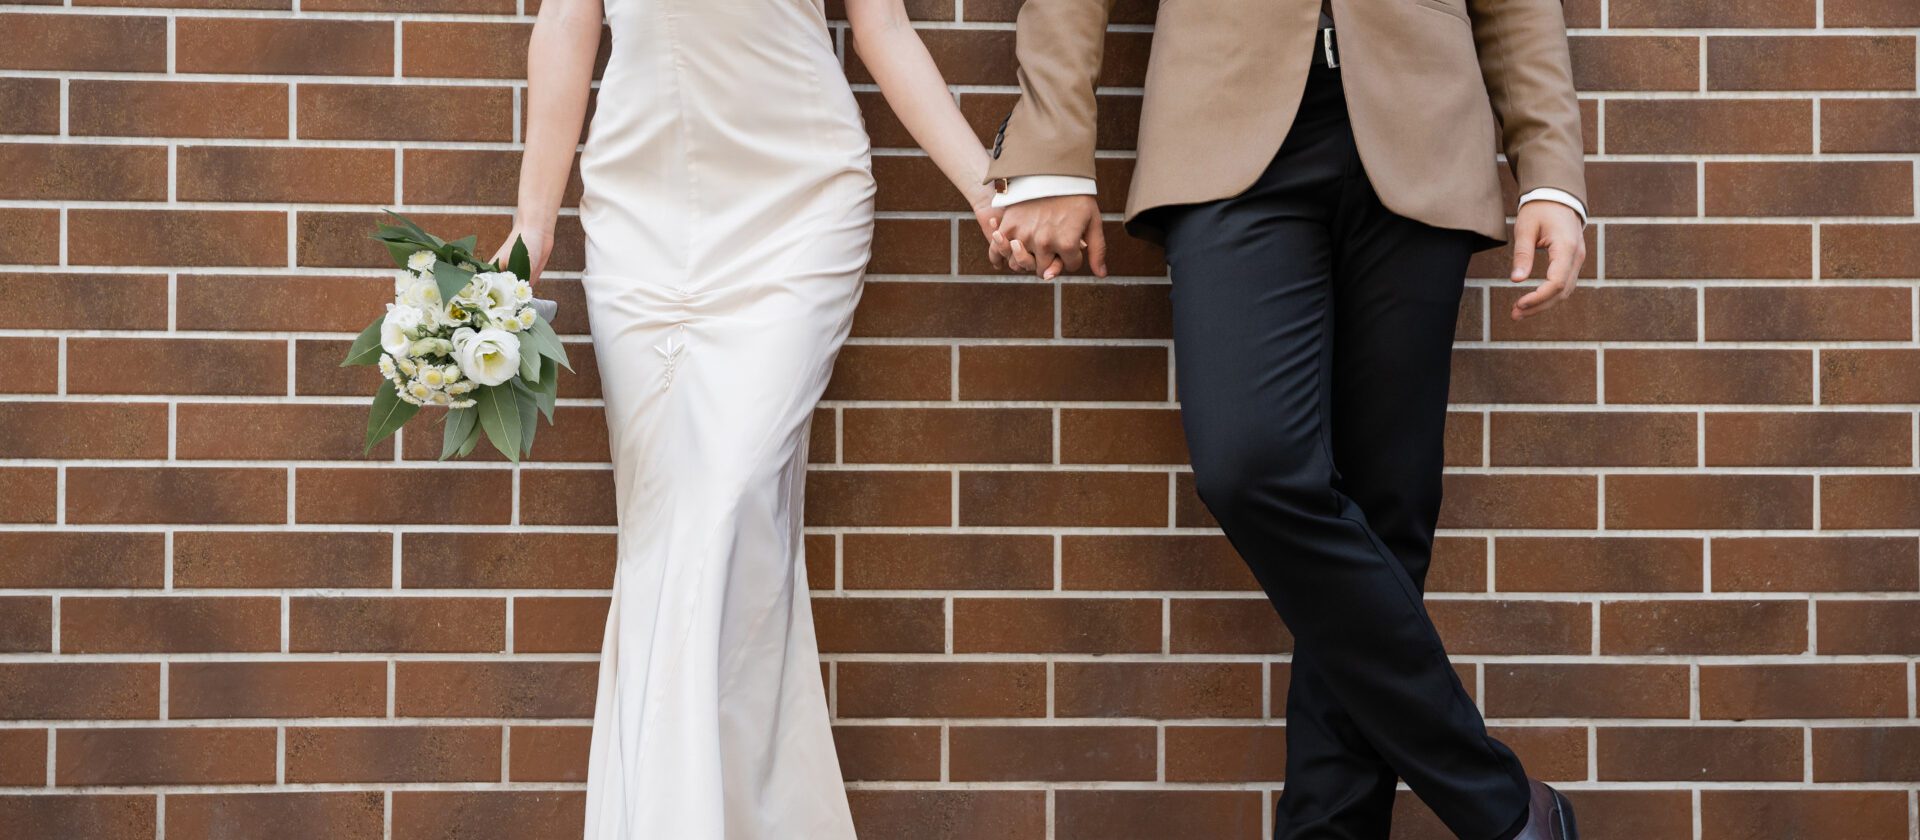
{"x":1046,"y":235}
{"x":1556,"y":228}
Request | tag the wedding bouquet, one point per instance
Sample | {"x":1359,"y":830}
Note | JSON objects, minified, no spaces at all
{"x":462,"y":334}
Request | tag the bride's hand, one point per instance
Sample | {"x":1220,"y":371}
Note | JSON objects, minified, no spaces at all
{"x":539,"y":247}
{"x":1000,"y":252}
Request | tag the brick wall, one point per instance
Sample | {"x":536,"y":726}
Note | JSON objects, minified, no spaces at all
{"x":1680,"y":570}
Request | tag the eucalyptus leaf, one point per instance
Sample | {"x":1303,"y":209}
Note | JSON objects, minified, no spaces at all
{"x":400,"y":251}
{"x":366,"y":347}
{"x":450,"y":279}
{"x":529,"y":364}
{"x":473,"y":439}
{"x":389,"y":414}
{"x":500,"y":417}
{"x":461,"y":424}
{"x":551,"y":341}
{"x":465,"y":244}
{"x":412,"y":229}
{"x":529,"y":419}
{"x":549,"y":388}
{"x":518,"y":262}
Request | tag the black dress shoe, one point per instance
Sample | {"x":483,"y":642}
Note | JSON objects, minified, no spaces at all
{"x":1549,"y":815}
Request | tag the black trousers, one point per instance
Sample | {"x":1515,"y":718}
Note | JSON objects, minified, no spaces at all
{"x":1313,"y":329}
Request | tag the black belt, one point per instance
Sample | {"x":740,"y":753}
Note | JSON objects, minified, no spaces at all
{"x":1326,"y":49}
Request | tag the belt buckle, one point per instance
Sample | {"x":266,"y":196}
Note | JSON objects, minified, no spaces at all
{"x":1326,"y":42}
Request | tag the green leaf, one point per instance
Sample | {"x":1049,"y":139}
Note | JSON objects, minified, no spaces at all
{"x":400,"y":251}
{"x":529,"y":364}
{"x":529,"y":420}
{"x":366,"y":348}
{"x":413,"y":230}
{"x":450,"y":279}
{"x":472,"y":442}
{"x":549,"y":388}
{"x":465,"y":245}
{"x":518,"y":262}
{"x":389,"y":414}
{"x":500,"y":417}
{"x":461,"y":424}
{"x":550,"y":340}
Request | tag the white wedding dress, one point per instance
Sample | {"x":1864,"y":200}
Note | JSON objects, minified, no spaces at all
{"x":728,"y":210}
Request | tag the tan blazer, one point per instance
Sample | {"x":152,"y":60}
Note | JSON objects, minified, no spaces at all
{"x":1433,"y":89}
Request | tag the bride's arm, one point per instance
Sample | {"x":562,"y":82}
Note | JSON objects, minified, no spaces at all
{"x":560,"y":56}
{"x":912,"y":84}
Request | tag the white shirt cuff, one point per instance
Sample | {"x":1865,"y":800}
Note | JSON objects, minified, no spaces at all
{"x":1029,"y":187}
{"x":1561,"y":196}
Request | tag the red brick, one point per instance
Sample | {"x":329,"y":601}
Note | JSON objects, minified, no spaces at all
{"x":1093,"y":499}
{"x":368,"y":112}
{"x":1580,"y":690}
{"x":1817,"y":62}
{"x":302,"y":175}
{"x":1815,"y":564}
{"x":411,"y":625}
{"x":276,"y":689}
{"x":196,"y":756}
{"x":1709,"y":376}
{"x":169,"y":624}
{"x":96,"y":817}
{"x":1888,"y":500}
{"x":1783,"y":814}
{"x":899,"y":498}
{"x":507,"y":561}
{"x":1052,"y":753}
{"x":412,"y":754}
{"x":1158,"y":690}
{"x":941,"y":689}
{"x":1017,"y":309}
{"x":79,"y":691}
{"x":82,"y":560}
{"x":1713,"y":126}
{"x":1214,"y":814}
{"x":488,"y":815}
{"x":23,"y":758}
{"x":949,"y":814}
{"x":1226,"y":626}
{"x":1747,"y":692}
{"x":1476,"y":500}
{"x":1056,"y":625}
{"x":946,"y":561}
{"x":1828,"y":314}
{"x":283,"y":46}
{"x":518,"y":689}
{"x":1598,"y":564}
{"x":1718,"y":251}
{"x":30,"y":106}
{"x":947,"y":436}
{"x":1867,"y":188}
{"x":271,"y":560}
{"x":124,"y":43}
{"x":1788,"y":439}
{"x":350,"y":815}
{"x":1703,"y":627}
{"x":1063,"y":373}
{"x":389,"y":496}
{"x":103,"y":107}
{"x":559,"y":625}
{"x":36,"y":361}
{"x":549,"y":753}
{"x":1866,"y":754}
{"x":1638,"y":62}
{"x":31,"y":493}
{"x":176,"y":366}
{"x":1647,"y":501}
{"x":1869,"y":627}
{"x":26,"y":625}
{"x":880,"y":625}
{"x":86,"y":301}
{"x":1853,"y":377}
{"x":182,"y":495}
{"x":1717,"y":754}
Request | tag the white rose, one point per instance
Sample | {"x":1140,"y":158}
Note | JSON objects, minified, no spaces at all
{"x":488,"y":357}
{"x":421,"y":261}
{"x":396,"y":332}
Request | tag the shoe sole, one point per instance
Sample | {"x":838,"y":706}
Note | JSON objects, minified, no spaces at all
{"x":1563,"y":816}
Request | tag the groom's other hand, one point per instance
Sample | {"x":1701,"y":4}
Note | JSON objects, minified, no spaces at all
{"x":1047,"y":235}
{"x":1557,"y":229}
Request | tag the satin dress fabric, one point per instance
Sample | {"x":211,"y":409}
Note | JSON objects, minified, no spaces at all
{"x":728,"y":211}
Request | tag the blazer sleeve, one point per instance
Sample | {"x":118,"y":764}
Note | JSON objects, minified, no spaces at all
{"x":1059,"y":44}
{"x":1523,"y":57}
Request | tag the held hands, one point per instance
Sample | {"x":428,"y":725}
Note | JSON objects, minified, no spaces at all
{"x":1049,"y":235}
{"x":1557,"y":228}
{"x":539,"y":248}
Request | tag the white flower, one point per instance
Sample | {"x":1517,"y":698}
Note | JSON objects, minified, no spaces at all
{"x":432,"y":377}
{"x":419,"y":392}
{"x":488,"y":357}
{"x":451,"y":372}
{"x":396,"y":332}
{"x":424,"y":295}
{"x":526,"y":318}
{"x":402,"y":280}
{"x":406,"y":365}
{"x":421,"y":261}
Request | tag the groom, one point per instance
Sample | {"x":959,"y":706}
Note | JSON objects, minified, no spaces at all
{"x":1320,"y":174}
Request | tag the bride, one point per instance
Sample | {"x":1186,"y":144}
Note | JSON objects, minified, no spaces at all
{"x":728,"y":211}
